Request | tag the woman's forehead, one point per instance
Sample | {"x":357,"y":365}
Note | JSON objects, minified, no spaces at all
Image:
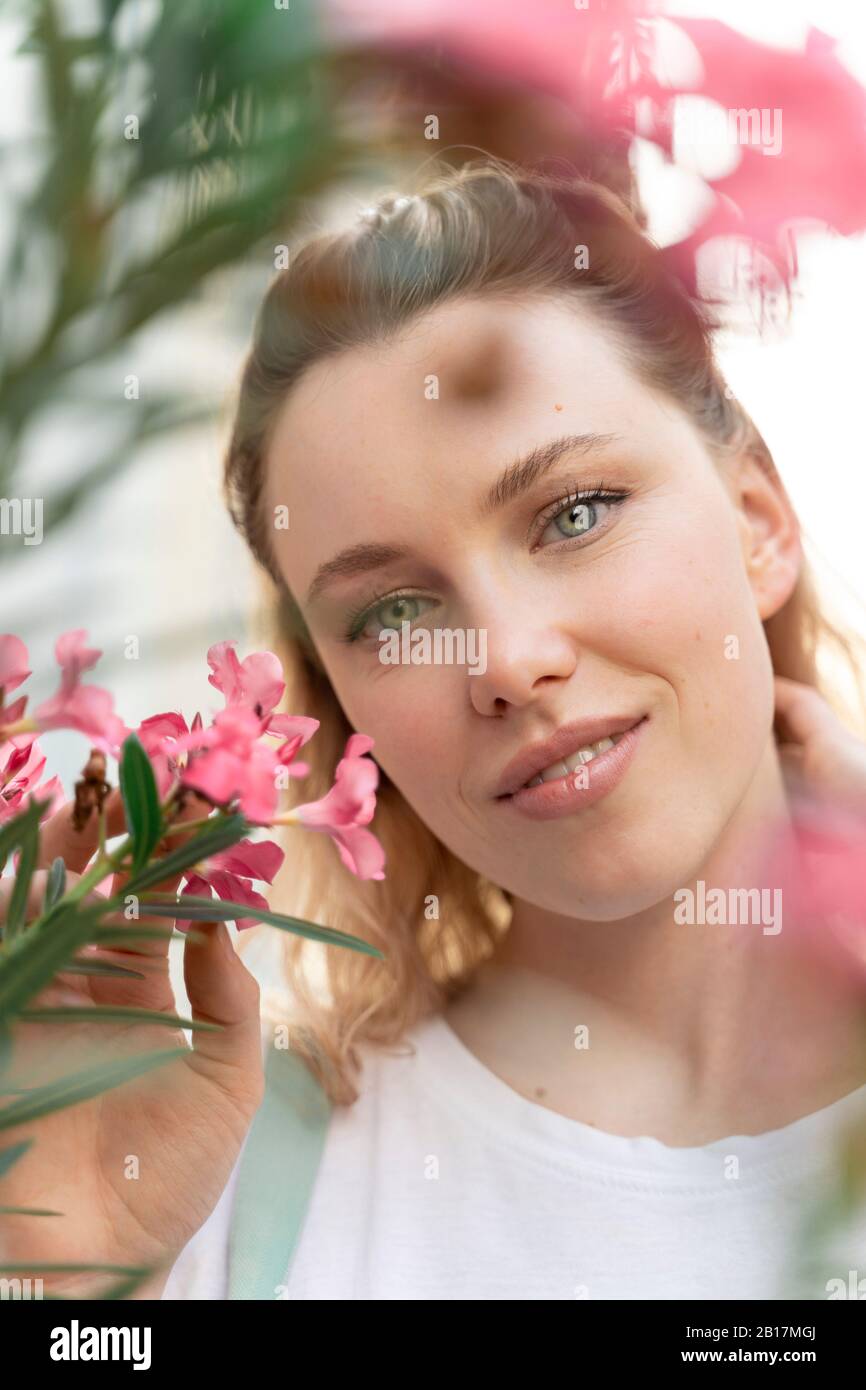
{"x":467,"y":375}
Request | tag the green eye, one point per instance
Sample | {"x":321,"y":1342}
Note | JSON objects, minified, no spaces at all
{"x":581,"y":516}
{"x":580,"y":513}
{"x":394,"y":610}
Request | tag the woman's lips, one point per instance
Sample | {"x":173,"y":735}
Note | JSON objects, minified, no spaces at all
{"x":566,"y":795}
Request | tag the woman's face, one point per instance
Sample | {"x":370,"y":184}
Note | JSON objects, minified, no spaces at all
{"x":647,"y":606}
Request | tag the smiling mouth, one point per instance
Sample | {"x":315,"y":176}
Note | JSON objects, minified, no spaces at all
{"x":563,"y":767}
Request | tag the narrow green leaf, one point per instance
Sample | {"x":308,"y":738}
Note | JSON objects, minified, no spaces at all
{"x":208,"y":841}
{"x":220,"y":910}
{"x":55,"y":887}
{"x":118,"y":936}
{"x":35,"y":957}
{"x":11,"y":1155}
{"x":101,"y":967}
{"x":80,"y":1086}
{"x":140,"y":801}
{"x":124,"y":1287}
{"x":28,"y":1211}
{"x":109,"y":1014}
{"x":29,"y":845}
{"x":15,"y":831}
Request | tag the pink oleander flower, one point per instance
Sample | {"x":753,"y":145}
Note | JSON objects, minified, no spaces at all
{"x":345,"y":811}
{"x":256,"y":682}
{"x":88,"y":708}
{"x":21,"y":765}
{"x":230,"y":762}
{"x":229,"y":875}
{"x":159,"y":736}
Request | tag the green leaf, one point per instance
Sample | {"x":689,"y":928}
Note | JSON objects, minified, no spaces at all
{"x":55,"y":886}
{"x":140,"y":801}
{"x":109,"y":1014}
{"x":194,"y":908}
{"x":10,"y":1156}
{"x":28,"y":1211}
{"x":118,"y":936}
{"x":123,"y":1287}
{"x":28,"y":843}
{"x":101,"y":967}
{"x":35,"y":957}
{"x":83,"y":1085}
{"x":15,"y":831}
{"x":207,"y":841}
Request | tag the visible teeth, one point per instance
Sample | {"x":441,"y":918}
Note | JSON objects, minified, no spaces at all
{"x":567,"y":765}
{"x":551,"y":773}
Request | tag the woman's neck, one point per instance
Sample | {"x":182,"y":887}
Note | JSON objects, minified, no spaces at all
{"x":685,"y":1030}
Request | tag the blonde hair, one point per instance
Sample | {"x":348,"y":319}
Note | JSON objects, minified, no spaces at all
{"x":486,"y":227}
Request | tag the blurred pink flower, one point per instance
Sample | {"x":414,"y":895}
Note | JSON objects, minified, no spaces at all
{"x":347,"y":808}
{"x":622,"y":63}
{"x":256,"y":682}
{"x":13,"y":663}
{"x":820,"y":865}
{"x":229,"y":873}
{"x":88,"y":708}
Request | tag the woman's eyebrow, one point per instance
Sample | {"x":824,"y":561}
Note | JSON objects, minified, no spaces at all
{"x":514,"y":480}
{"x":521,"y":475}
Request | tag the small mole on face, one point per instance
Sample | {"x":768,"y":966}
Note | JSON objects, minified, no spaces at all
{"x":540,"y":1092}
{"x":557,"y":407}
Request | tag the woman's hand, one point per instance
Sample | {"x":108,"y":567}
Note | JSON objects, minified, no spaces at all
{"x":136,"y":1170}
{"x":822,"y":761}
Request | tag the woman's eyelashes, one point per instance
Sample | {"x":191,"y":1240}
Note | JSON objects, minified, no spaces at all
{"x":582,"y":512}
{"x":358,"y":621}
{"x":579,"y":513}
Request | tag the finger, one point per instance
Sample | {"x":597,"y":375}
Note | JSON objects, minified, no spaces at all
{"x":36,"y":894}
{"x":221,"y":990}
{"x":802,"y":710}
{"x":59,"y":836}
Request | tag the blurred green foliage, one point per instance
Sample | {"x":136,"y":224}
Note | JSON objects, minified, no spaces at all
{"x":167,"y":142}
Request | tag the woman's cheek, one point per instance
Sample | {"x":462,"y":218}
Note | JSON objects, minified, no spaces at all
{"x":404,"y":716}
{"x":686,"y":615}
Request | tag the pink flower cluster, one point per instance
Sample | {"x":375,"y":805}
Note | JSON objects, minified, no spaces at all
{"x":240,"y":761}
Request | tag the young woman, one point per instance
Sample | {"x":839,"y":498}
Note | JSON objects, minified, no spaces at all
{"x":488,"y":409}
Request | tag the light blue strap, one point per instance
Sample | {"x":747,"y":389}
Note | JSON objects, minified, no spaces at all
{"x":275,"y":1179}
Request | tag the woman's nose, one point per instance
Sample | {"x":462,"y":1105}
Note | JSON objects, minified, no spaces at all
{"x":522,"y":659}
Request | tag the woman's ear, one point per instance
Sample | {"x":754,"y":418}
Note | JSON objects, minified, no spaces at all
{"x":769,"y":530}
